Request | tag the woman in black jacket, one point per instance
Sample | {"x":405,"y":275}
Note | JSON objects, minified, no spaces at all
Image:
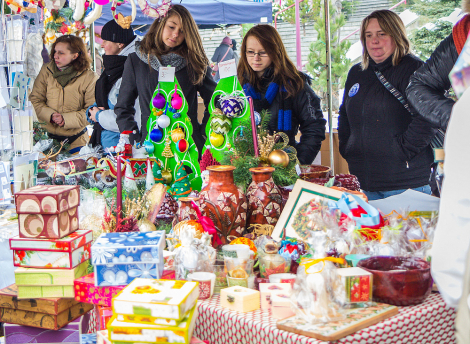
{"x":271,"y":79}
{"x":385,"y":146}
{"x":174,"y":41}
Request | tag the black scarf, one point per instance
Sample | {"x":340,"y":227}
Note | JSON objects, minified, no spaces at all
{"x":113,"y":69}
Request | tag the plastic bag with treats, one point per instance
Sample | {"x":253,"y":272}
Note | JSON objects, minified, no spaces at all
{"x":186,"y":256}
{"x":317,"y":292}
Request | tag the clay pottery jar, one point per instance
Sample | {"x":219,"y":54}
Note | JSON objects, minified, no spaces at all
{"x":264,"y":198}
{"x":224,"y":203}
{"x":185,"y":210}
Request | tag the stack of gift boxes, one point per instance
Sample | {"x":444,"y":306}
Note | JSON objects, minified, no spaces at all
{"x":50,"y":253}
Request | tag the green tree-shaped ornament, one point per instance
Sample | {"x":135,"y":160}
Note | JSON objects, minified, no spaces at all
{"x":181,"y":187}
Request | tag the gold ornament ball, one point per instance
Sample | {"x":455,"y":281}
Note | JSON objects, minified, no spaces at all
{"x":167,"y":177}
{"x":279,"y":157}
{"x":146,"y":226}
{"x":177,"y":134}
{"x":217,"y":140}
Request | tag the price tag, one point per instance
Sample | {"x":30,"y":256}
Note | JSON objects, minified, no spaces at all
{"x":227,"y":68}
{"x":166,"y":74}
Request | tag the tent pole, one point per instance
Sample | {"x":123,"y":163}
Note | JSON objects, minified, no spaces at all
{"x":328,"y":81}
{"x":92,"y":42}
{"x":297,"y":35}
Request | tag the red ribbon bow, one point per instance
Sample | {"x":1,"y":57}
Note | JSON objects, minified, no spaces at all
{"x":207,"y":225}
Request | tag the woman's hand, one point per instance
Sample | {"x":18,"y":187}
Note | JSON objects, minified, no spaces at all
{"x":93,"y":111}
{"x":58,"y":119}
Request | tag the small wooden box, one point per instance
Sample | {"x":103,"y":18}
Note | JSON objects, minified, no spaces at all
{"x":266,"y":289}
{"x":240,"y":299}
{"x":281,"y":308}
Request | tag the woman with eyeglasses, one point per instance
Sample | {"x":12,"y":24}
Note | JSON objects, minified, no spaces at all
{"x":272,"y":80}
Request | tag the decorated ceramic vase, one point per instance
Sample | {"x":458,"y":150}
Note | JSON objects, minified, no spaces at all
{"x":264,"y":198}
{"x":185,"y":210}
{"x":224,"y":203}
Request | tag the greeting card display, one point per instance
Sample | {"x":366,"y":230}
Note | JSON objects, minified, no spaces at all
{"x":118,"y":258}
{"x":169,"y":137}
{"x":157,"y":298}
{"x":227,"y":118}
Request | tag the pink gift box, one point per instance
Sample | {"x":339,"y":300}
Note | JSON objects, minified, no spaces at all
{"x":86,"y":291}
{"x":266,"y":289}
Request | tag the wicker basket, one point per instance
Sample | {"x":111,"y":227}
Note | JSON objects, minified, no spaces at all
{"x":314,"y":171}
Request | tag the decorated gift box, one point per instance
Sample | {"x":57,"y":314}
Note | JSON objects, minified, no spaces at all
{"x":118,"y":258}
{"x":52,"y":313}
{"x":33,"y":292}
{"x":102,"y":338}
{"x":266,"y":289}
{"x":357,"y":284}
{"x":142,"y":319}
{"x":49,"y":277}
{"x":105,"y":313}
{"x":157,"y":298}
{"x":47,"y":199}
{"x":240,"y":299}
{"x":132,"y":332}
{"x":65,"y":253}
{"x":85,"y":291}
{"x":48,"y":226}
{"x":69,"y":334}
{"x":281,"y":305}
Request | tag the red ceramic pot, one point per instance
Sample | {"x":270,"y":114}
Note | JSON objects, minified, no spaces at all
{"x":399,"y":281}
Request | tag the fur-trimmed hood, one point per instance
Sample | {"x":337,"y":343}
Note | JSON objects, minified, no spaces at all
{"x":466,"y":6}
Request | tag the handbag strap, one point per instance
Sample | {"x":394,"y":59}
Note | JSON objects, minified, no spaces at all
{"x":438,"y":140}
{"x":225,"y":54}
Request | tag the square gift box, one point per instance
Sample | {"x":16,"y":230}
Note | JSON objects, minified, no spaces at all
{"x":52,"y":314}
{"x":49,"y":277}
{"x":132,"y":332}
{"x":86,"y":291}
{"x":105,"y":313}
{"x":65,"y":253}
{"x":240,"y":299}
{"x":69,"y":334}
{"x":48,"y":226}
{"x":118,"y":258}
{"x":357,"y":284}
{"x":47,"y":199}
{"x":34,"y":292}
{"x":157,"y":298}
{"x":266,"y":289}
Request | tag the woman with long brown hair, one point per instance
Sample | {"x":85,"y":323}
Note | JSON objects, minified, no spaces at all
{"x":174,"y":41}
{"x":63,"y":91}
{"x":271,"y":79}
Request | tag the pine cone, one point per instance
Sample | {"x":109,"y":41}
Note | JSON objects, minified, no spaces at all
{"x":168,"y":208}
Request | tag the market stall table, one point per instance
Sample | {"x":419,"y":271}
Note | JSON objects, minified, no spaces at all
{"x":429,"y":322}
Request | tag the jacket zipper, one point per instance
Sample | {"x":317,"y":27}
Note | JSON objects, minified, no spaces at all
{"x":363,"y":148}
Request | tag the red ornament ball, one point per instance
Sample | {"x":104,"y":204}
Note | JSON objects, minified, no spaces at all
{"x":113,"y":8}
{"x":182,"y":145}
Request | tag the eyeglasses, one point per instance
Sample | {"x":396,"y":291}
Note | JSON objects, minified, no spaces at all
{"x":253,"y":54}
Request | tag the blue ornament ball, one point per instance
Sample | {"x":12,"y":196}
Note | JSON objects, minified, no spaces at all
{"x":149,"y":147}
{"x":156,"y":135}
{"x":257,"y":118}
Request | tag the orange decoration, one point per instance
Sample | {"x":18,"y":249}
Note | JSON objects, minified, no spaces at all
{"x":245,"y":241}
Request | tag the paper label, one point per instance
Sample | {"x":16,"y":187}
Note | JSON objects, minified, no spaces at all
{"x":297,"y":169}
{"x":166,"y":74}
{"x":227,"y":68}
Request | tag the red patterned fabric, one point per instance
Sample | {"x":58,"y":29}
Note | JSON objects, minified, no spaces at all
{"x":428,"y":323}
{"x":93,"y":326}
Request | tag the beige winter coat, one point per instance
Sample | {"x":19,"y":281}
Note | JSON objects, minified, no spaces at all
{"x":71,"y":101}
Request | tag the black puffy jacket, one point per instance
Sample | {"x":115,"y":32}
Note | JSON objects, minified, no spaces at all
{"x":426,"y":91}
{"x":385,"y":147}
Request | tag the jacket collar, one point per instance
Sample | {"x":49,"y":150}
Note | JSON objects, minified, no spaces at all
{"x":382,"y":65}
{"x":51,"y":70}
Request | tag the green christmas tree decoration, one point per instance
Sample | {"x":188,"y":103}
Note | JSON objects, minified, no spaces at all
{"x":218,"y":123}
{"x":157,"y":172}
{"x":166,"y":150}
{"x":181,"y":187}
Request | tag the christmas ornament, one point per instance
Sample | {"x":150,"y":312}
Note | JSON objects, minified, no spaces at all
{"x":217,"y":140}
{"x":156,"y":135}
{"x":167,"y":177}
{"x":149,"y":180}
{"x":158,"y":12}
{"x":163,"y":121}
{"x":177,"y":134}
{"x":159,"y":100}
{"x":278,"y":157}
{"x":182,"y":146}
{"x":149,"y":147}
{"x":232,"y":106}
{"x":167,"y":153}
{"x":146,"y":226}
{"x":102,"y":2}
{"x":124,"y":22}
{"x":181,"y":187}
{"x":257,"y":118}
{"x":176,"y":100}
{"x":157,"y":172}
{"x":129,"y":184}
{"x":220,"y":124}
{"x":177,"y":115}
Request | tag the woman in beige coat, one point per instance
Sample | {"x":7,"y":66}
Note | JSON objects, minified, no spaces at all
{"x":63,"y":90}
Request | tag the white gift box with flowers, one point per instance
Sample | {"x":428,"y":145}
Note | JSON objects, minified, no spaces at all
{"x":118,"y":258}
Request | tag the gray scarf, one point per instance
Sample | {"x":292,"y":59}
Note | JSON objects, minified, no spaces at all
{"x":171,"y":59}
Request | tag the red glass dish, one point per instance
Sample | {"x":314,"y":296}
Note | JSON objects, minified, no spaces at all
{"x":399,"y":281}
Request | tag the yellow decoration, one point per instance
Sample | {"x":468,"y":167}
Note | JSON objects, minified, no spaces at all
{"x":278,"y":157}
{"x":167,"y":176}
{"x":124,"y":22}
{"x":217,"y":140}
{"x":189,"y":225}
{"x":177,"y":134}
{"x":245,"y":241}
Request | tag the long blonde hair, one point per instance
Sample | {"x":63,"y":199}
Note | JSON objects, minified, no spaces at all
{"x":191,"y":48}
{"x":392,"y":25}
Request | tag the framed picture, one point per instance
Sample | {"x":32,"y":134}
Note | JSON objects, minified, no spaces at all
{"x":301,"y":195}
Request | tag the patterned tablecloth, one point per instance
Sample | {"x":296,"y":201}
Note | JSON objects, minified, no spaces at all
{"x":427,"y":323}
